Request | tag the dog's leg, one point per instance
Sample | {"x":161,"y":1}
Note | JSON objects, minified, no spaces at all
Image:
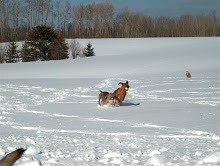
{"x":99,"y":100}
{"x":114,"y":103}
{"x":100,"y":97}
{"x":117,"y":100}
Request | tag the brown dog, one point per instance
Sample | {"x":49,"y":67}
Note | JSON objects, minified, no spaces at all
{"x":120,"y":93}
{"x":105,"y":97}
{"x":188,"y":75}
{"x":12,"y":157}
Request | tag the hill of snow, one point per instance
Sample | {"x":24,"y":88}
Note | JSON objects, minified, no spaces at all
{"x":50,"y":108}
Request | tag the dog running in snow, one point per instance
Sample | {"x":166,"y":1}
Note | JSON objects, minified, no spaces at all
{"x":120,"y":93}
{"x":188,"y":75}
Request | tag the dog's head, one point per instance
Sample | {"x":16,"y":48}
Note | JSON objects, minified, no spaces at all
{"x":124,"y":85}
{"x":188,"y":73}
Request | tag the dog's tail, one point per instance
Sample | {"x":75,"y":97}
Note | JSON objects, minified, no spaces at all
{"x":12,"y":157}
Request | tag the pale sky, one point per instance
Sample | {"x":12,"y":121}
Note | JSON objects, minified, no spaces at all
{"x":172,"y":8}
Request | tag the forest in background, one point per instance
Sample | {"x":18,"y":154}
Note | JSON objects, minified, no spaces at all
{"x":97,"y":20}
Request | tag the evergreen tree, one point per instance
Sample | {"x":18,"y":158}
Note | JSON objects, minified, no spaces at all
{"x":58,"y":49}
{"x":28,"y":53}
{"x":40,"y":39}
{"x":2,"y":54}
{"x":12,"y":54}
{"x":89,"y":50}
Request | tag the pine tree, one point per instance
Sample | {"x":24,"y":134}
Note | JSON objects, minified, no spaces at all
{"x":2,"y":53}
{"x":58,"y":49}
{"x":89,"y":50}
{"x":12,"y":54}
{"x":40,"y":39}
{"x":28,"y":53}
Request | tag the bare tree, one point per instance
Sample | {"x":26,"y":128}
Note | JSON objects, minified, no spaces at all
{"x":28,"y":14}
{"x":1,"y":24}
{"x":48,"y":5}
{"x":65,"y":17}
{"x":6,"y":8}
{"x":215,"y":23}
{"x":15,"y":16}
{"x":78,"y":16}
{"x":57,"y":14}
{"x":76,"y":49}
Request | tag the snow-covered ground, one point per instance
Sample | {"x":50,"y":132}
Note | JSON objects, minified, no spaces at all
{"x":51,"y":108}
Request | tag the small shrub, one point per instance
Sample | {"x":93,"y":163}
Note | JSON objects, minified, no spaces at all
{"x":76,"y":49}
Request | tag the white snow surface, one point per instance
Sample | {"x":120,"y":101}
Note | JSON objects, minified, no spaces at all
{"x":51,"y":108}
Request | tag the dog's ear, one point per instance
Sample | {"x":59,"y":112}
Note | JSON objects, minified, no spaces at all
{"x":12,"y":157}
{"x":127,"y":82}
{"x":119,"y":83}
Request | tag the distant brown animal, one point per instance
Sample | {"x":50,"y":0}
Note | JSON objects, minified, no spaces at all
{"x":12,"y":157}
{"x":120,"y":93}
{"x":188,"y":75}
{"x":105,"y":97}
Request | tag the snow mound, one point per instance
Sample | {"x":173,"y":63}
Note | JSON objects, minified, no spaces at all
{"x":152,"y":153}
{"x":158,"y":160}
{"x":32,"y":150}
{"x":213,"y":158}
{"x":2,"y":152}
{"x":30,"y":163}
{"x":112,"y":155}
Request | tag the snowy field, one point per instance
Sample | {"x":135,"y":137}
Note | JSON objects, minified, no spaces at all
{"x":51,"y":108}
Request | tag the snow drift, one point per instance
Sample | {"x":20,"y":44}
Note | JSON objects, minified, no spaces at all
{"x":50,"y":108}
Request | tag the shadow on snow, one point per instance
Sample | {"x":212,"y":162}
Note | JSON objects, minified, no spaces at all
{"x":130,"y":104}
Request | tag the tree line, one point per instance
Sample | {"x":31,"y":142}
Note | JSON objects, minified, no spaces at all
{"x":97,"y":20}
